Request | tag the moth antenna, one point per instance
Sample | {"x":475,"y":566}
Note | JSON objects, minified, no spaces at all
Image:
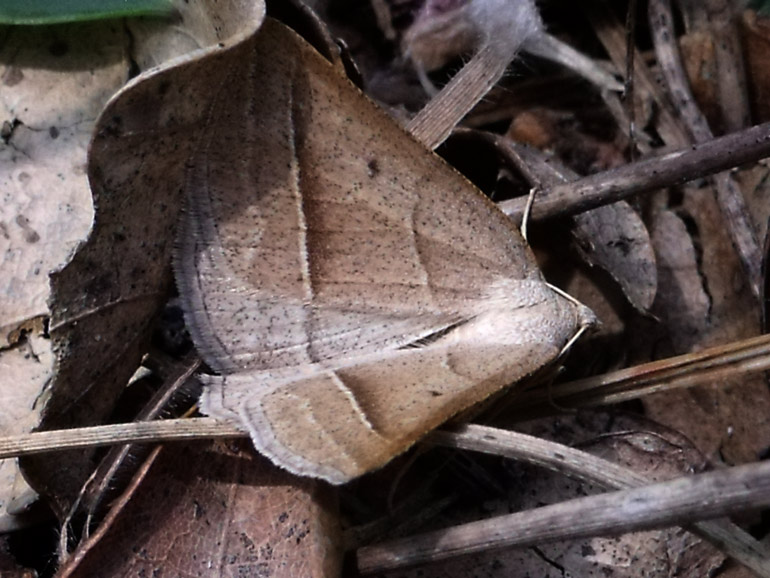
{"x":527,"y":210}
{"x":582,"y":329}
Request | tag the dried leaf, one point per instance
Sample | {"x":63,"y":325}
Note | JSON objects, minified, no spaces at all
{"x":104,"y":301}
{"x":213,"y":510}
{"x":25,"y":369}
{"x":704,"y":301}
{"x":54,"y":82}
{"x":614,"y":238}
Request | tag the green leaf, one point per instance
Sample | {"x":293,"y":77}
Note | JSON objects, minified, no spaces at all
{"x":57,"y":11}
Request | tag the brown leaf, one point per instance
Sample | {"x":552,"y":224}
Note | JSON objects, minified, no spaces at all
{"x":704,"y":301}
{"x":215,"y":510}
{"x":614,"y":238}
{"x":54,"y":80}
{"x":104,"y":301}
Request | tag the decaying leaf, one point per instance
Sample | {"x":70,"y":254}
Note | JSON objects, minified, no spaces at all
{"x":53,"y":83}
{"x":706,"y":302}
{"x":215,"y":510}
{"x":26,"y":369}
{"x":104,"y":301}
{"x":614,"y":238}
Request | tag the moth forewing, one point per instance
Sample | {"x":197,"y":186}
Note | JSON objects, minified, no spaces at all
{"x":348,"y":310}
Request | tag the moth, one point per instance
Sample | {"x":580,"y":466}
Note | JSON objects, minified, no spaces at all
{"x":350,"y":290}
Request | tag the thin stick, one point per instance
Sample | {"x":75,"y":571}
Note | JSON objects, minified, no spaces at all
{"x":730,"y":539}
{"x":628,"y":89}
{"x":677,"y":167}
{"x":612,"y":35}
{"x":738,"y":358}
{"x":104,"y":435}
{"x":581,"y":465}
{"x":102,"y":480}
{"x":680,"y":501}
{"x":729,"y":196}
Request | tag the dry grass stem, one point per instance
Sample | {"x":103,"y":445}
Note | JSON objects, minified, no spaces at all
{"x":737,"y":358}
{"x":728,"y":194}
{"x":734,"y":359}
{"x":681,"y":501}
{"x":581,"y":465}
{"x":443,"y":113}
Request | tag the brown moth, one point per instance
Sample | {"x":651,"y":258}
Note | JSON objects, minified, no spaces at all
{"x":351,"y":290}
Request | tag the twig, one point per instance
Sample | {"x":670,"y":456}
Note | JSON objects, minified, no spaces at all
{"x":681,"y":501}
{"x":628,"y":89}
{"x":104,"y":435}
{"x":729,"y":196}
{"x":719,"y":154}
{"x":101,"y":483}
{"x":612,"y":35}
{"x":586,"y":467}
{"x":737,"y":358}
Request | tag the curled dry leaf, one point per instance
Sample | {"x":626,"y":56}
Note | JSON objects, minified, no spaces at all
{"x":614,"y":238}
{"x":103,"y":302}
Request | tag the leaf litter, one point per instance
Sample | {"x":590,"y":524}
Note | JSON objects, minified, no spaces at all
{"x":701,"y":300}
